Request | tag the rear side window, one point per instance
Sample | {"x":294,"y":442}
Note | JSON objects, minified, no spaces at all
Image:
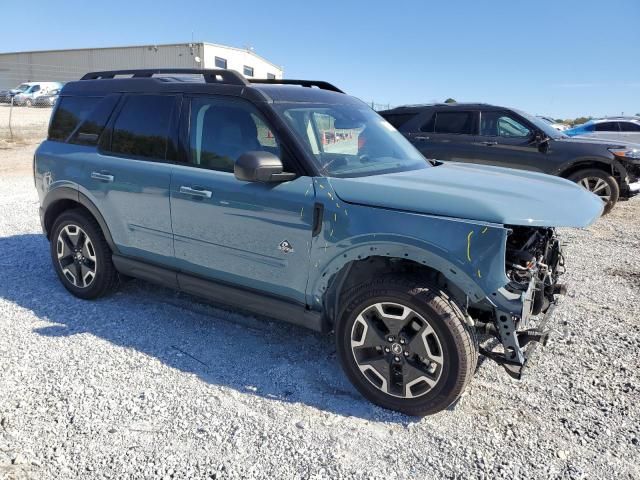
{"x":453,"y":122}
{"x":142,"y":126}
{"x":398,"y":119}
{"x":629,"y":127}
{"x":71,"y":111}
{"x":607,"y":127}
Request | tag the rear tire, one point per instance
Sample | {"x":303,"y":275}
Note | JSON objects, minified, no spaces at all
{"x":601,"y":184}
{"x":405,"y":345}
{"x":81,"y":256}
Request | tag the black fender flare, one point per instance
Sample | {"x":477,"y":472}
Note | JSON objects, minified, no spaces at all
{"x":575,"y":164}
{"x":59,"y":194}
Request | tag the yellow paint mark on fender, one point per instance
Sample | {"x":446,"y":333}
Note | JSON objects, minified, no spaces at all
{"x":469,"y":245}
{"x":321,"y":186}
{"x":301,"y":212}
{"x":329,"y":195}
{"x":484,"y":230}
{"x":335,"y":217}
{"x":479,"y":276}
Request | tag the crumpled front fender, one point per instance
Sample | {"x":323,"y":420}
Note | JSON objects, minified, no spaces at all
{"x":470,"y":254}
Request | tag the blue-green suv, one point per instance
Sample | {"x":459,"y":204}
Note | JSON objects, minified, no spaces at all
{"x":293,"y":200}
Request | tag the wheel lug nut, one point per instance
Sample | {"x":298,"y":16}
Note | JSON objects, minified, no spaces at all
{"x":402,"y":341}
{"x":397,"y":359}
{"x":390,"y":338}
{"x":406,"y":354}
{"x":386,"y":349}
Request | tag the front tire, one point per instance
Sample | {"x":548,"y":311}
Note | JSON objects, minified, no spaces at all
{"x":599,"y":183}
{"x":81,"y":256}
{"x":405,"y":345}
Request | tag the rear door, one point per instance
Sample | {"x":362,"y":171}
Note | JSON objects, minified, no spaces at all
{"x":128,"y":178}
{"x":446,"y":135}
{"x":507,"y":140}
{"x":247,"y":234}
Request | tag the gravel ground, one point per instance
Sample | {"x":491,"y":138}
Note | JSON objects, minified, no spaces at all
{"x":151,"y":383}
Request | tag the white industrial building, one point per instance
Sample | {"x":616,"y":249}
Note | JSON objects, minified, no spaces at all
{"x":66,"y":65}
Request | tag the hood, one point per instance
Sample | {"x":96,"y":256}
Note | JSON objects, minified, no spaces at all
{"x":604,"y":142}
{"x":477,"y":192}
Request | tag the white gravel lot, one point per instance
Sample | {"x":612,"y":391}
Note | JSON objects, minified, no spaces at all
{"x":149,"y":383}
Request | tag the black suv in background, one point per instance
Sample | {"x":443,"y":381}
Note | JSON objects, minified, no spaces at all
{"x":487,"y":134}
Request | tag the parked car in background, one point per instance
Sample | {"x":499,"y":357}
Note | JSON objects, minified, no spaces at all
{"x":48,"y":99}
{"x":626,"y":129}
{"x":27,"y":96}
{"x":228,"y":189}
{"x":9,"y":94}
{"x":561,"y":127}
{"x":492,"y":135}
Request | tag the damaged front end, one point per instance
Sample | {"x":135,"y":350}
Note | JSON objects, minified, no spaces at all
{"x":517,"y":315}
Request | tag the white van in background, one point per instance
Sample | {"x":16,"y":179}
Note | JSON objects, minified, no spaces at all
{"x":26,"y":93}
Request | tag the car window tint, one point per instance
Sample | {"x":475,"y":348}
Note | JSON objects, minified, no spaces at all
{"x":500,"y":124}
{"x":606,"y":127}
{"x":453,"y":122}
{"x":222,"y":130}
{"x":68,"y":115}
{"x":89,"y":130}
{"x":398,"y":119}
{"x":629,"y":127}
{"x":142,"y":126}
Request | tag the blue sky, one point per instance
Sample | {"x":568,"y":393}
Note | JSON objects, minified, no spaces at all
{"x":561,"y":58}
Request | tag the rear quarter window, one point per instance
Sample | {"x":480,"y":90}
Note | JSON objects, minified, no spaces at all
{"x":69,"y":114}
{"x":398,"y":119}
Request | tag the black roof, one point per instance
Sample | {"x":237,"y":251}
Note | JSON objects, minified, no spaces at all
{"x":408,"y":109}
{"x":195,"y":81}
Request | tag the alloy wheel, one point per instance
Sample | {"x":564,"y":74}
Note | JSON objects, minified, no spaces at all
{"x":598,"y":187}
{"x":397,"y":350}
{"x":76,"y":256}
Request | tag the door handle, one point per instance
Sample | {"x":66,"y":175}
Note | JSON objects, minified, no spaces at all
{"x":489,"y":144}
{"x":421,"y":138}
{"x":196,"y":191}
{"x":103,"y":177}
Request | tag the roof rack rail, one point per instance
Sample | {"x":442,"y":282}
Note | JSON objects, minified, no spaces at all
{"x":304,"y":83}
{"x":210,"y":75}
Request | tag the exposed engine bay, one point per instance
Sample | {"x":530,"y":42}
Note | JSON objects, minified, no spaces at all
{"x":518,"y":313}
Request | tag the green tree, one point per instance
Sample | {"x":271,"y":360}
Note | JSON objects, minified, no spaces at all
{"x":450,"y":100}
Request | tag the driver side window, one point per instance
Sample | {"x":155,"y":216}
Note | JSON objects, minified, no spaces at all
{"x":222,"y":130}
{"x":500,"y":124}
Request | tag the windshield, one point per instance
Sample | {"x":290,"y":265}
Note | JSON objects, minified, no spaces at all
{"x":23,"y":88}
{"x":548,"y":130}
{"x":350,"y":140}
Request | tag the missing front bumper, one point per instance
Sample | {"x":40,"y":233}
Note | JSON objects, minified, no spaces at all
{"x":517,"y":357}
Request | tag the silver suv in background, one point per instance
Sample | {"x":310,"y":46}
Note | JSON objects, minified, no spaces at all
{"x":625,"y":129}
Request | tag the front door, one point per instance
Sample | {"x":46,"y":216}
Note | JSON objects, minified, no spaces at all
{"x":251,"y":235}
{"x":505,"y":140}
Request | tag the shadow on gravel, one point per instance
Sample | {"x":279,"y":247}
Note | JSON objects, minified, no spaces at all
{"x":254,"y":356}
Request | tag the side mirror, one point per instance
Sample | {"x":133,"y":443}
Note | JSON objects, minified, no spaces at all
{"x":260,"y":166}
{"x":541,"y":140}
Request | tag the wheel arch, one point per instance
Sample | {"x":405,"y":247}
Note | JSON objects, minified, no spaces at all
{"x":62,"y":199}
{"x":611,"y":167}
{"x":363,"y":262}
